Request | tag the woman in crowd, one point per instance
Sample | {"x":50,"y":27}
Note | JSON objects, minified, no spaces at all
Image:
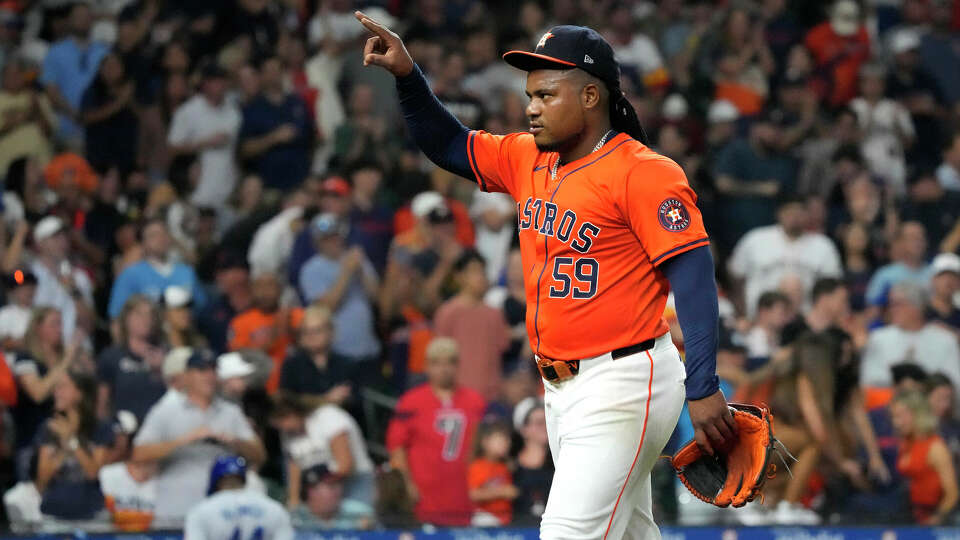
{"x":533,"y":473}
{"x":109,"y":114}
{"x":71,"y":451}
{"x":924,"y":459}
{"x":943,"y":399}
{"x":38,"y":369}
{"x":326,"y":435}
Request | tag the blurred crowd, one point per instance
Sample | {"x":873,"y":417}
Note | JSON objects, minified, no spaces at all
{"x":217,"y":238}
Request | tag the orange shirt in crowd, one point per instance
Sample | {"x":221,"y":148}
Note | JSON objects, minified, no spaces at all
{"x":255,"y":329}
{"x":925,"y":488}
{"x":484,"y":473}
{"x":842,"y":56}
{"x":403,"y":221}
{"x":745,"y":98}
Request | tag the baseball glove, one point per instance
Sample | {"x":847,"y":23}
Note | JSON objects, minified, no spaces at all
{"x":736,"y":473}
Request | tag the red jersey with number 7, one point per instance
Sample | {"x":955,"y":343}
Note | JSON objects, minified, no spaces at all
{"x":591,"y":238}
{"x":437,"y":437}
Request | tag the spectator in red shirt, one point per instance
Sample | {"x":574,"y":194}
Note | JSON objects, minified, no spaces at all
{"x":839,"y":47}
{"x":430,"y":437}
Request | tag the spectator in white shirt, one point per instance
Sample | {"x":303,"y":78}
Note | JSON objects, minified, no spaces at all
{"x":207,"y":125}
{"x":774,"y":311}
{"x":493,"y":217}
{"x":886,"y":126}
{"x":909,"y":339}
{"x":766,"y":254}
{"x":21,"y":286}
{"x":60,"y":285}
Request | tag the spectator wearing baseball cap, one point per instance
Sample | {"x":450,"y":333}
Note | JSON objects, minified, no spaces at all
{"x":178,"y":325}
{"x":20,"y":286}
{"x":432,"y":208}
{"x":185,"y":436}
{"x":334,"y":199}
{"x":231,"y":296}
{"x":60,"y":284}
{"x":343,"y":280}
{"x":233,"y":374}
{"x":944,"y":286}
{"x":324,"y":506}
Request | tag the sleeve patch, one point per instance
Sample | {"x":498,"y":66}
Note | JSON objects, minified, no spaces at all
{"x":673,"y":215}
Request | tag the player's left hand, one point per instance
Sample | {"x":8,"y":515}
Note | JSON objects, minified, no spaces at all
{"x":713,"y":424}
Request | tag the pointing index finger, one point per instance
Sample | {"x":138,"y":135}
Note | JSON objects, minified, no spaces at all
{"x":371,"y":24}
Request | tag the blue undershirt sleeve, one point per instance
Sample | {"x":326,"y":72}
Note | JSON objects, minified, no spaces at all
{"x":695,"y":297}
{"x":436,"y":131}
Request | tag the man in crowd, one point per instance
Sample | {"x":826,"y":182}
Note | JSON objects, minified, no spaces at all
{"x":157,"y":271}
{"x":185,"y":436}
{"x":429,"y":439}
{"x":324,"y":506}
{"x":60,"y":284}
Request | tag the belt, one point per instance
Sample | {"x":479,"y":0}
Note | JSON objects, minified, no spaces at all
{"x":561,"y":370}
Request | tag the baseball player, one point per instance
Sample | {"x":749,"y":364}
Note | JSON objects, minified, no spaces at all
{"x":231,"y":512}
{"x":607,"y":228}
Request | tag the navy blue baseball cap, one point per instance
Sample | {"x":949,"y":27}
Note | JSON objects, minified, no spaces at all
{"x":201,"y":359}
{"x":566,"y":47}
{"x":569,"y":47}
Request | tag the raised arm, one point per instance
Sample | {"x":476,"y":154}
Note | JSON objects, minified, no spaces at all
{"x":436,"y":131}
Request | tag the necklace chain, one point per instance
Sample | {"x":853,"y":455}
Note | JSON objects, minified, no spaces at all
{"x":600,"y":143}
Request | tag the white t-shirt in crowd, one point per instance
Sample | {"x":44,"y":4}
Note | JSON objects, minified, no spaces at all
{"x":127,"y":500}
{"x":765,"y":255}
{"x":313,"y":448}
{"x":197,"y":119}
{"x":933,"y":348}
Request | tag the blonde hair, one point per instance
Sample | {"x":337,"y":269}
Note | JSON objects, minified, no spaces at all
{"x":315,"y":312}
{"x":441,"y":347}
{"x":32,"y":336}
{"x":924,"y":422}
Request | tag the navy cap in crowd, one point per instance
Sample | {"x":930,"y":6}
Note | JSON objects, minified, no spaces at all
{"x":201,"y":359}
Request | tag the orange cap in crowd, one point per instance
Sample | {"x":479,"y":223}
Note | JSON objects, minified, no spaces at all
{"x":70,"y":164}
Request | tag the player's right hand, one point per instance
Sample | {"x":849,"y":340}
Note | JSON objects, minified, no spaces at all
{"x":384,"y":49}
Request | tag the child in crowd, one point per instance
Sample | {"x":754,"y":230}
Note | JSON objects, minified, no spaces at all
{"x":491,"y":484}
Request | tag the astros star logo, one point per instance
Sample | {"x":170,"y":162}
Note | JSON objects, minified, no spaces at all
{"x":543,"y":40}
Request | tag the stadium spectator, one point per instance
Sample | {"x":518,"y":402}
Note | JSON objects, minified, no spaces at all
{"x":60,"y":284}
{"x":493,"y":215}
{"x":234,"y":376}
{"x":343,"y":280}
{"x":185,"y":436}
{"x":72,"y":449}
{"x":511,"y":299}
{"x":936,"y":208}
{"x":312,"y":370}
{"x":231,"y":296}
{"x":948,"y":173}
{"x":68,"y":69}
{"x":28,"y":117}
{"x":774,"y":312}
{"x":924,"y":459}
{"x":909,"y":339}
{"x":129,"y":372}
{"x":839,"y":46}
{"x":766,"y":254}
{"x":207,"y":125}
{"x":20,"y":286}
{"x":38,"y":367}
{"x":277,"y":132}
{"x":907,"y":253}
{"x":266,"y":326}
{"x":429,"y":439}
{"x":178,"y":327}
{"x":130,"y":494}
{"x":324,"y":506}
{"x":887,"y":127}
{"x":942,"y":397}
{"x":944,"y":285}
{"x":533,"y":472}
{"x":491,"y":486}
{"x":370,"y":219}
{"x":157,"y":271}
{"x":325,"y":435}
{"x":174,"y":371}
{"x":108,"y":113}
{"x":480,"y":331}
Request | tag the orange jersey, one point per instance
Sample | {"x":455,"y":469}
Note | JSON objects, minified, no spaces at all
{"x":485,"y":473}
{"x":591,"y":238}
{"x":254,"y":329}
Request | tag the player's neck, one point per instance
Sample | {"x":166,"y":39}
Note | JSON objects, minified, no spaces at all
{"x":587,"y":143}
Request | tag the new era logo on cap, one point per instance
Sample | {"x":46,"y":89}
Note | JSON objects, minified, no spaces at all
{"x":587,"y":59}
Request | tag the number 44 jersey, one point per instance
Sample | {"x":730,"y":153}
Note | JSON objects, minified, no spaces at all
{"x":238,"y":514}
{"x":437,"y":436}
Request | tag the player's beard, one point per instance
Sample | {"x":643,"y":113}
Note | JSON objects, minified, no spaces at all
{"x":561,"y":145}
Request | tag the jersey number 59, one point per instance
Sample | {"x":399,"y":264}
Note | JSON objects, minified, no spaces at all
{"x":584,"y":270}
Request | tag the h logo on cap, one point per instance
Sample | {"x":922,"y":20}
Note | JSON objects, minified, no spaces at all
{"x":543,"y":40}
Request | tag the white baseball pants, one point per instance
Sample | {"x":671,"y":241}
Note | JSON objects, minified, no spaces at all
{"x":607,"y":427}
